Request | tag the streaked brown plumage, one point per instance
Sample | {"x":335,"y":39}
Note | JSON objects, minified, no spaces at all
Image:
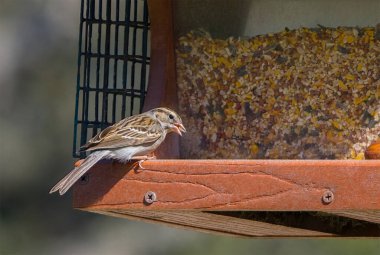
{"x":132,"y":138}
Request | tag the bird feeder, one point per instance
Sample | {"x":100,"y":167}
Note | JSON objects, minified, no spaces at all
{"x":227,"y":175}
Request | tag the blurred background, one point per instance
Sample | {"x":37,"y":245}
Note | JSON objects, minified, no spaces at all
{"x":38,"y":57}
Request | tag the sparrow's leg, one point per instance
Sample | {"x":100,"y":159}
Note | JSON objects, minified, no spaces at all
{"x":141,"y":159}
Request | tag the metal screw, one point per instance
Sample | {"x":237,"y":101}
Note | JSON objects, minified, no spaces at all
{"x":84,"y":179}
{"x":327,"y":197}
{"x":150,"y":197}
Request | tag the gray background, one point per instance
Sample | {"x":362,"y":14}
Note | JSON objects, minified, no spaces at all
{"x":38,"y":54}
{"x":246,"y":18}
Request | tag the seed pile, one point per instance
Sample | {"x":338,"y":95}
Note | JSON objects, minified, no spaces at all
{"x":296,"y":94}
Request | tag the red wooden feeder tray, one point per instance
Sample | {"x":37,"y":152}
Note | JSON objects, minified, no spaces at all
{"x":251,"y":198}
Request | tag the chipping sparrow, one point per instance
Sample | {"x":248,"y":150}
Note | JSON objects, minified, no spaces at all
{"x":132,"y":138}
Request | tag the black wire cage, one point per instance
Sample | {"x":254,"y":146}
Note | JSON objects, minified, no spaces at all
{"x":113,"y":65}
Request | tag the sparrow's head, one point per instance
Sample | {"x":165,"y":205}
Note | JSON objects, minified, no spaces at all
{"x":169,"y":120}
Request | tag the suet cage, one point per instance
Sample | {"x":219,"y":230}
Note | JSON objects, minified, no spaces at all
{"x":113,"y":65}
{"x":254,"y":81}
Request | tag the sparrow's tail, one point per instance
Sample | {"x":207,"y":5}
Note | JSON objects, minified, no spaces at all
{"x":63,"y":185}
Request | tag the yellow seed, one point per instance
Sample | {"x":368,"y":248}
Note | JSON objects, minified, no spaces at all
{"x":271,"y":100}
{"x":370,"y":33}
{"x":292,"y":40}
{"x":359,"y":100}
{"x":349,"y":39}
{"x":288,"y":74}
{"x":229,"y":111}
{"x":254,"y":149}
{"x":360,"y":156}
{"x":224,"y":61}
{"x":330,"y":135}
{"x":318,"y":85}
{"x":314,"y":37}
{"x":352,"y":154}
{"x":273,"y":85}
{"x":366,"y":39}
{"x":248,"y":97}
{"x":350,"y":77}
{"x":342,"y":86}
{"x":336,"y":125}
{"x":230,"y":104}
{"x":358,"y":86}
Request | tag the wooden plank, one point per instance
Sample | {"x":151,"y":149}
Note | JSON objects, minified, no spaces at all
{"x":213,"y":223}
{"x":162,"y":86}
{"x":225,"y":185}
{"x":254,"y":224}
{"x":314,"y":221}
{"x":369,"y":216}
{"x":125,"y":215}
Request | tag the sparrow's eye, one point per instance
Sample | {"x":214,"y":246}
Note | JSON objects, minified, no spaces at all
{"x":171,"y":116}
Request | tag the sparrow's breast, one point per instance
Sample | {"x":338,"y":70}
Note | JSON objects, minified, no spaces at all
{"x":125,"y":154}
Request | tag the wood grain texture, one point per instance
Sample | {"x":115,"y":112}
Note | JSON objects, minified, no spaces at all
{"x":222,"y":195}
{"x":263,"y":185}
{"x":310,"y":220}
{"x":370,"y":216}
{"x":217,"y":224}
{"x":254,"y":224}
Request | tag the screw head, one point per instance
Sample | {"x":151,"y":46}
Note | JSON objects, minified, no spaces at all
{"x":150,"y":197}
{"x":327,"y":197}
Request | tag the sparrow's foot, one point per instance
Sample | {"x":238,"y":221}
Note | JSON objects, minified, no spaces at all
{"x":140,"y":162}
{"x":141,"y":159}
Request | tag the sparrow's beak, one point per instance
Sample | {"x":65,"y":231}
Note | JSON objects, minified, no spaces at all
{"x":179,"y":128}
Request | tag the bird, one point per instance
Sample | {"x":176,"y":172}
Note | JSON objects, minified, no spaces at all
{"x":133,"y":138}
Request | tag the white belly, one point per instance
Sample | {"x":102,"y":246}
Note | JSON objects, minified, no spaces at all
{"x":125,"y":154}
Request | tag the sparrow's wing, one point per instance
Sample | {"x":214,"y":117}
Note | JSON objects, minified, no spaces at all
{"x":132,"y":131}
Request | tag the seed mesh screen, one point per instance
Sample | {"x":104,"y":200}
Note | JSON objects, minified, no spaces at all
{"x":113,"y":65}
